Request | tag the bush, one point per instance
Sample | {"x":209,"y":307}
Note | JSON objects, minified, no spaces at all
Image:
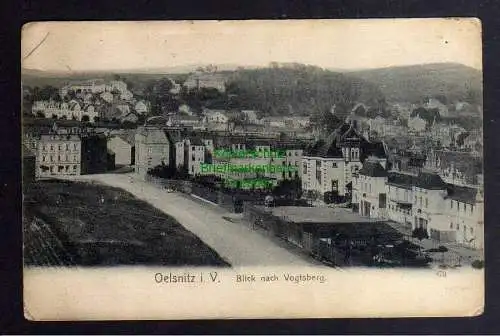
{"x":479,"y":264}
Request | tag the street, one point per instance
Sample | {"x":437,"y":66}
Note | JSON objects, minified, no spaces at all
{"x":236,"y":243}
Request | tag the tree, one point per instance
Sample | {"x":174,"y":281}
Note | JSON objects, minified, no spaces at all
{"x":96,"y":119}
{"x":46,"y":93}
{"x":85,"y":118}
{"x":443,"y":250}
{"x":420,"y":233}
{"x":54,"y":116}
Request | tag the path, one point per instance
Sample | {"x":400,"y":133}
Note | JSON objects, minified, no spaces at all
{"x":236,"y":243}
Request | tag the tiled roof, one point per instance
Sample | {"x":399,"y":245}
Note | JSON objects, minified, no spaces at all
{"x":373,"y":169}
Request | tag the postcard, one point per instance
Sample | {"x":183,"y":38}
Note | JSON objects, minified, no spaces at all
{"x":181,"y":170}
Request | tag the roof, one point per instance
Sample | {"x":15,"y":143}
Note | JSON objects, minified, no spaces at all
{"x":128,"y":137}
{"x":401,"y":180}
{"x":373,"y":169}
{"x":195,"y":141}
{"x":462,"y":193}
{"x":430,"y":181}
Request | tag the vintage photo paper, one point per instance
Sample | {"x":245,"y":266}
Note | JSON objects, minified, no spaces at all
{"x":252,"y":169}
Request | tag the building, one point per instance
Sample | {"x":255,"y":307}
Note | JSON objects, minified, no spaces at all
{"x":141,"y":107}
{"x":449,"y":213}
{"x":94,"y":86}
{"x":400,"y":198}
{"x":124,"y":148}
{"x":68,"y":153}
{"x":251,"y":116}
{"x":215,"y":116}
{"x":434,"y":103}
{"x":152,"y":148}
{"x":369,"y":196}
{"x":194,"y":155}
{"x":210,"y":80}
{"x":59,"y":154}
{"x":95,"y":156}
{"x":455,"y":167}
{"x":278,"y":122}
{"x":29,"y":165}
{"x":329,"y":166}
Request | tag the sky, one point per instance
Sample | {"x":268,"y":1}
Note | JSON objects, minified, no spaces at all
{"x":334,"y":44}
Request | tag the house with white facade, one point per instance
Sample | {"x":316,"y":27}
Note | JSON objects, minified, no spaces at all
{"x":215,"y":116}
{"x":368,"y":190}
{"x":329,"y":166}
{"x":152,"y":148}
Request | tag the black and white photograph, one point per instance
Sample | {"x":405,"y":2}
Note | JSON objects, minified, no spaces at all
{"x":310,"y":168}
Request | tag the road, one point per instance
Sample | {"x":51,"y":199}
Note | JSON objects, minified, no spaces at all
{"x":238,"y":244}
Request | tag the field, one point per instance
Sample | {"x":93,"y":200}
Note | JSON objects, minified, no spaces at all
{"x":76,"y":223}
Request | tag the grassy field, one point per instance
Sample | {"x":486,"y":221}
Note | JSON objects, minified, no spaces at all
{"x":75,"y":223}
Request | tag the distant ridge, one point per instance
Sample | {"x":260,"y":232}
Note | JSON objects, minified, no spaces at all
{"x":410,"y":83}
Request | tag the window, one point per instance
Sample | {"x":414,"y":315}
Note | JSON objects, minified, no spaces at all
{"x":44,"y":147}
{"x":289,"y":174}
{"x":334,"y":164}
{"x":51,"y":147}
{"x":318,"y":176}
{"x":451,"y":225}
{"x":59,"y":158}
{"x":426,"y":202}
{"x":458,"y":226}
{"x":471,"y":209}
{"x":192,"y":148}
{"x":51,"y":158}
{"x":67,"y":147}
{"x":74,"y":168}
{"x":451,"y":204}
{"x":471,"y":230}
{"x":304,"y":168}
{"x":74,"y":146}
{"x":420,"y":199}
{"x":318,"y":163}
{"x":59,"y":147}
{"x":43,"y":158}
{"x":370,"y":187}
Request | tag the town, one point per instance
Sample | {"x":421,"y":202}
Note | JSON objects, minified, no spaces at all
{"x":361,"y":182}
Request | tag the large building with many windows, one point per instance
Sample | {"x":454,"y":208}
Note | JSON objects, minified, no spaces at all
{"x":448,"y":212}
{"x":59,"y":153}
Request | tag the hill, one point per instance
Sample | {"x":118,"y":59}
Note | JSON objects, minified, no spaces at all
{"x":449,"y":81}
{"x":296,"y":89}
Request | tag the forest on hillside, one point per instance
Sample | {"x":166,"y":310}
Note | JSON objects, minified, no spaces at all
{"x":299,"y":90}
